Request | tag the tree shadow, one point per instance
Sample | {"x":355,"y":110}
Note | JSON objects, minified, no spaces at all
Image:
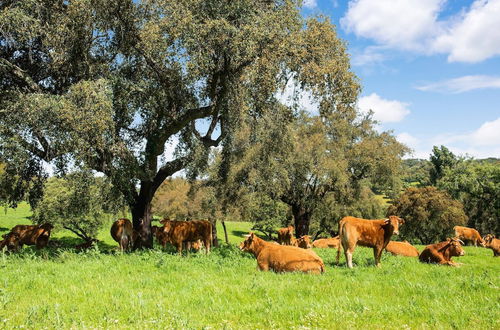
{"x":239,"y":233}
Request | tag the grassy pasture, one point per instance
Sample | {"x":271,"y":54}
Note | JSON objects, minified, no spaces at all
{"x":101,"y":288}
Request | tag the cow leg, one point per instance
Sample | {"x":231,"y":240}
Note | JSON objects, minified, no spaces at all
{"x":207,"y":245}
{"x":377,"y":254}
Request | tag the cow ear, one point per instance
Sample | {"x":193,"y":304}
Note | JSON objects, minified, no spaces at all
{"x":386,"y":221}
{"x":401,"y":221}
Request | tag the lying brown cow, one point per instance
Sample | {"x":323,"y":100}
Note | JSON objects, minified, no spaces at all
{"x":303,"y":242}
{"x":10,"y":241}
{"x":282,"y":258}
{"x":441,"y":253}
{"x":86,"y":245}
{"x":492,"y":243}
{"x":285,"y":235}
{"x":401,"y":249}
{"x":180,"y":233}
{"x":325,"y":243}
{"x":369,"y":233}
{"x":468,"y":235}
{"x":123,"y":232}
{"x":37,"y":235}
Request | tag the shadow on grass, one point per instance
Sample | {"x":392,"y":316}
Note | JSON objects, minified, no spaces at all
{"x":239,"y":233}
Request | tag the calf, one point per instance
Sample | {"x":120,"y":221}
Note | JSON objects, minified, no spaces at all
{"x":180,"y":233}
{"x":124,"y":233}
{"x":10,"y":241}
{"x":324,"y":243}
{"x":37,"y":235}
{"x":441,"y":253}
{"x":369,"y":233}
{"x":468,"y":235}
{"x":86,"y":245}
{"x":303,"y":242}
{"x":282,"y":258}
{"x":285,"y":235}
{"x":492,"y":243}
{"x":401,"y":249}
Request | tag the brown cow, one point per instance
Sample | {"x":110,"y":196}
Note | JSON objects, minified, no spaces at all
{"x":124,"y":233}
{"x":370,"y":233}
{"x":401,"y":249}
{"x":37,"y":235}
{"x":10,"y":241}
{"x":180,"y":233}
{"x":324,"y":243}
{"x":492,"y":243}
{"x":282,"y":258}
{"x":86,"y":245}
{"x":304,"y":242}
{"x":441,"y":253}
{"x":468,"y":235}
{"x":285,"y":235}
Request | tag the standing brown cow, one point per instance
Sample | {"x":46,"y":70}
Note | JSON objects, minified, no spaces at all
{"x":285,"y":235}
{"x":281,"y":258}
{"x":370,"y":233}
{"x":468,"y":235}
{"x":180,"y":233}
{"x":37,"y":235}
{"x":123,"y":232}
{"x":492,"y":243}
{"x":441,"y":253}
{"x":401,"y":249}
{"x":324,"y":243}
{"x":10,"y":241}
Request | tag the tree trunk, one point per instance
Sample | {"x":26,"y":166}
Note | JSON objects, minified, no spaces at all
{"x":141,"y":219}
{"x":215,"y":240}
{"x":302,"y":219}
{"x":225,"y":232}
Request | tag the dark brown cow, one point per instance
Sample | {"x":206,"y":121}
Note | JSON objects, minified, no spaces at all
{"x":468,"y":235}
{"x":180,"y":233}
{"x":492,"y":243}
{"x":86,"y":245}
{"x":401,"y":249}
{"x":303,"y":242}
{"x":281,"y":258}
{"x":10,"y":241}
{"x":441,"y":253}
{"x":370,"y":233}
{"x":123,"y":232}
{"x":37,"y":235}
{"x":325,"y":243}
{"x":285,"y":235}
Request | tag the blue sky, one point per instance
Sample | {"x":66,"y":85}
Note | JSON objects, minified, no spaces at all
{"x":430,"y":69}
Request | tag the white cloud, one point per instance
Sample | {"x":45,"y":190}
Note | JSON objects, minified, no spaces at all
{"x":462,"y":84}
{"x":487,"y":135}
{"x":413,"y":25}
{"x":370,"y":55}
{"x":408,"y":139}
{"x":385,"y":111}
{"x":310,"y":3}
{"x":400,"y":24}
{"x":475,"y":36}
{"x":293,"y":94}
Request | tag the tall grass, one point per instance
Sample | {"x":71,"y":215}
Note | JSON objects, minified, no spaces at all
{"x":60,"y":288}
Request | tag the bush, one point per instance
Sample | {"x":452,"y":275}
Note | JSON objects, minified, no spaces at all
{"x":429,"y":214}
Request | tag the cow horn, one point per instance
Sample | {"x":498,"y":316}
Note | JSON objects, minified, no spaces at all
{"x":461,"y":242}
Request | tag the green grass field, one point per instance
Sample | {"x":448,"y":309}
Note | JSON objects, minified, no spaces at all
{"x":59,"y":288}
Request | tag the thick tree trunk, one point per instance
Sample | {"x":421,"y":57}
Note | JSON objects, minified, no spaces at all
{"x":225,"y":232}
{"x":302,"y":219}
{"x":141,"y":219}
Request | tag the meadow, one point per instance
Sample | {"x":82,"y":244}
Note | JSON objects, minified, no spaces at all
{"x":102,"y":288}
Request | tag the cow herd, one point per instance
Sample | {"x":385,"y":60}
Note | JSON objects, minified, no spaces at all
{"x":288,"y":253}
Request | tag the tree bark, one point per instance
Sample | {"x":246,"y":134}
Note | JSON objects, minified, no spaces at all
{"x":141,"y":219}
{"x":215,"y":240}
{"x":302,"y":218}
{"x":225,"y":232}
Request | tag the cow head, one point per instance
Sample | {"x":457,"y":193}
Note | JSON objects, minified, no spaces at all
{"x":488,"y":238}
{"x":11,"y":241}
{"x":304,"y":242}
{"x":394,"y":221}
{"x":46,"y":226}
{"x":455,"y":247}
{"x":248,"y":244}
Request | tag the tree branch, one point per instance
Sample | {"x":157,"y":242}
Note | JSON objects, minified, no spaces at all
{"x":19,"y":74}
{"x":167,"y":170}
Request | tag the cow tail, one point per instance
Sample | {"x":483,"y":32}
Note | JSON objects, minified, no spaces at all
{"x":341,"y":238}
{"x":124,"y":242}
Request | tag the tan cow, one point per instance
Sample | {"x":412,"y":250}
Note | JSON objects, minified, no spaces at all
{"x":37,"y":235}
{"x":10,"y":242}
{"x":468,"y":235}
{"x":441,"y":253}
{"x":401,"y":249}
{"x":182,"y":233}
{"x":370,"y":233}
{"x":282,"y":258}
{"x":285,"y":235}
{"x":304,"y":242}
{"x":124,"y":233}
{"x":492,"y":243}
{"x":324,"y":243}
